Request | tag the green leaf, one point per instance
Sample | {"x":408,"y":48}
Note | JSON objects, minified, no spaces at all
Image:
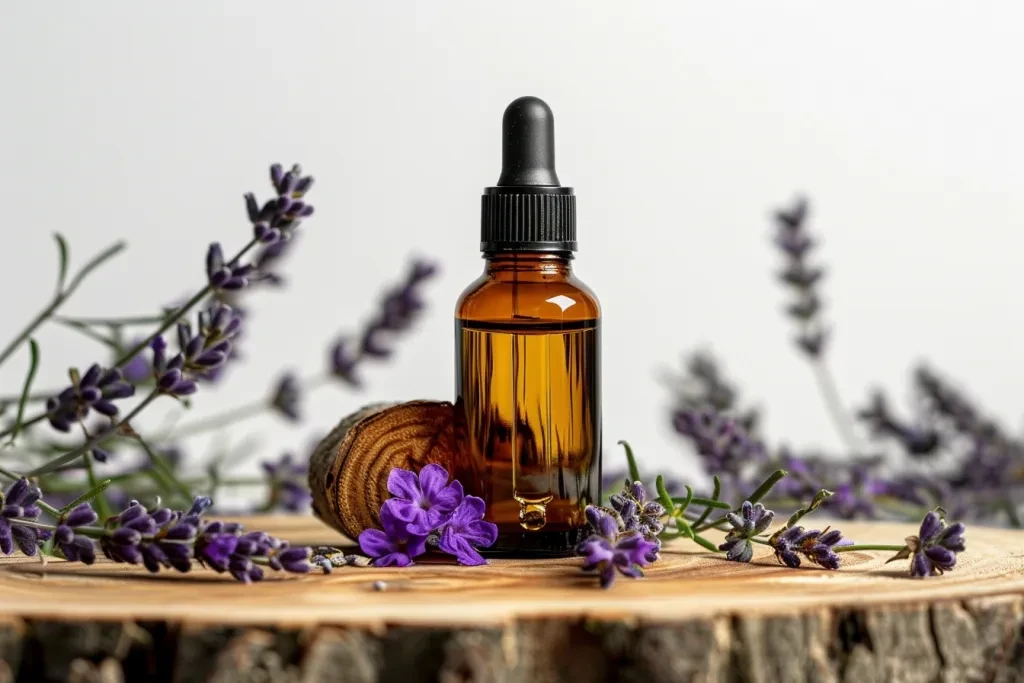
{"x":64,"y":254}
{"x":634,"y":471}
{"x":663,"y":497}
{"x":684,"y":527}
{"x":706,"y":502}
{"x":700,"y":540}
{"x":33,"y":348}
{"x":88,"y":495}
{"x":685,"y":502}
{"x":767,"y":486}
{"x":714,"y":499}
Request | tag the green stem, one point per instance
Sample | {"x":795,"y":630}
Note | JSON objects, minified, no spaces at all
{"x":27,"y":423}
{"x":102,"y":506}
{"x":95,"y":440}
{"x":850,"y":548}
{"x":13,"y":476}
{"x":113,"y":322}
{"x":161,"y":466}
{"x":58,"y":300}
{"x":176,"y":315}
{"x":834,"y":405}
{"x":49,"y":508}
{"x":218,"y":420}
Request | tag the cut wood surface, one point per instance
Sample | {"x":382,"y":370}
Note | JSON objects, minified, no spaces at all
{"x":695,"y":617}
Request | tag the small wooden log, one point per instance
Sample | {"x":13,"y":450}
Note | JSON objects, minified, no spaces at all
{"x":348,"y":471}
{"x":696,"y":617}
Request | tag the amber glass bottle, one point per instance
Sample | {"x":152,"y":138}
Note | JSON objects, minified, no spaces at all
{"x":527,"y":338}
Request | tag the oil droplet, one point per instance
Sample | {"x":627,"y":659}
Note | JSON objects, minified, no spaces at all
{"x":533,"y":512}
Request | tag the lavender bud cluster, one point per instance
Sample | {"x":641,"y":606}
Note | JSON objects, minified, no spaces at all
{"x":795,"y":243}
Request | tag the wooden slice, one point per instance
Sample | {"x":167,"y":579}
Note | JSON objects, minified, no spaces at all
{"x":695,"y":617}
{"x":348,"y":471}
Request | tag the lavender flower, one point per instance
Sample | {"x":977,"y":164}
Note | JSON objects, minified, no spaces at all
{"x":704,"y":387}
{"x":19,"y":503}
{"x":76,"y":547}
{"x":935,"y":547}
{"x":278,"y":218}
{"x":424,"y":502}
{"x":97,"y":389}
{"x":398,"y":310}
{"x":917,"y":441}
{"x":610,"y":549}
{"x":287,"y":396}
{"x":225,"y":276}
{"x":638,"y":513}
{"x":287,"y":484}
{"x":719,"y":440}
{"x":199,"y":352}
{"x":817,"y":546}
{"x":795,"y":243}
{"x":395,"y":545}
{"x":466,"y":531}
{"x":751,"y":521}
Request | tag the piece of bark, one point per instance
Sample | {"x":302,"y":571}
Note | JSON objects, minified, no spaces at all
{"x":348,"y":471}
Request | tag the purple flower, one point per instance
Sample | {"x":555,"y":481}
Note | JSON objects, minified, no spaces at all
{"x":76,"y":547}
{"x":817,"y":546}
{"x":287,"y":396}
{"x":795,"y":244}
{"x":170,"y":377}
{"x":424,"y":502}
{"x":97,"y":389}
{"x":719,"y":440}
{"x":608,"y":550}
{"x":19,"y":503}
{"x":395,"y":545}
{"x":638,"y":513}
{"x":751,"y":521}
{"x":935,"y":547}
{"x":466,"y":531}
{"x":344,"y":363}
{"x":287,"y":484}
{"x":278,"y":218}
{"x":225,"y":276}
{"x":917,"y":441}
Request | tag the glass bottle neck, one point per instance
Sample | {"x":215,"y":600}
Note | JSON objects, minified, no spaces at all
{"x":541,"y":263}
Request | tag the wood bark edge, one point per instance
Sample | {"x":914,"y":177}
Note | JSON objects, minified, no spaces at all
{"x":976,"y":640}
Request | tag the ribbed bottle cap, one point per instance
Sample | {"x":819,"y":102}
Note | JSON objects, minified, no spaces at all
{"x":528,"y":210}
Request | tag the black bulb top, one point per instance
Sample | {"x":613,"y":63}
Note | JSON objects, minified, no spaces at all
{"x":528,"y":210}
{"x":528,"y":144}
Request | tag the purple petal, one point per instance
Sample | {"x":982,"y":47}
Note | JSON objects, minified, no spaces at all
{"x":945,"y":559}
{"x":184,"y":388}
{"x":448,"y":498}
{"x":393,"y":560}
{"x":396,"y":514}
{"x":953,"y":538}
{"x":6,"y":539}
{"x":26,"y":540}
{"x":831,"y":537}
{"x":432,"y":479}
{"x":920,"y":565}
{"x":118,"y":390}
{"x":81,"y":515}
{"x":91,"y":377}
{"x":481,"y":534}
{"x":454,"y":544}
{"x":214,"y":259}
{"x":470,"y":510}
{"x":105,"y":407}
{"x":404,"y":484}
{"x":930,"y":525}
{"x":375,"y":543}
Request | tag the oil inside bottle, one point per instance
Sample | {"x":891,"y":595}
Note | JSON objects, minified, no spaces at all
{"x":530,"y":392}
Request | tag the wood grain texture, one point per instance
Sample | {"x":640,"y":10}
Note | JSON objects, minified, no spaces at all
{"x":694,"y":618}
{"x":348,"y":470}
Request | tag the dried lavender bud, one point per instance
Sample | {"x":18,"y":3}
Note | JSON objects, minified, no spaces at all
{"x":287,"y":397}
{"x":96,"y":390}
{"x":933,"y":551}
{"x":817,"y":546}
{"x":703,"y":386}
{"x":609,"y":549}
{"x":221,"y":275}
{"x":636,"y":512}
{"x":917,"y":441}
{"x":278,"y":218}
{"x":75,"y":547}
{"x":720,"y":441}
{"x":287,"y":479}
{"x":751,"y":521}
{"x":19,"y":503}
{"x":795,"y":244}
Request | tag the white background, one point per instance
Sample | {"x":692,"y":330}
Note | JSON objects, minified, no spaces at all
{"x":681,"y":125}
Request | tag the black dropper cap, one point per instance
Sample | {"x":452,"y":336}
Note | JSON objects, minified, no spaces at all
{"x":528,"y":210}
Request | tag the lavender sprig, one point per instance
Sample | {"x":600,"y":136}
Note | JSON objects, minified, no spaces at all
{"x":158,"y":539}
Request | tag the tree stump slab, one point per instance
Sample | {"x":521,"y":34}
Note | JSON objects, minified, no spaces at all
{"x":695,"y":617}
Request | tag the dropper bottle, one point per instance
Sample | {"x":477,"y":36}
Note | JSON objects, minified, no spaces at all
{"x":527,"y":353}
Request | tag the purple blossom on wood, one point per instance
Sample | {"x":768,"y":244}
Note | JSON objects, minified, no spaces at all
{"x":466,"y":531}
{"x":19,"y":502}
{"x":424,"y":501}
{"x":395,"y":545}
{"x":933,"y":551}
{"x":610,"y":549}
